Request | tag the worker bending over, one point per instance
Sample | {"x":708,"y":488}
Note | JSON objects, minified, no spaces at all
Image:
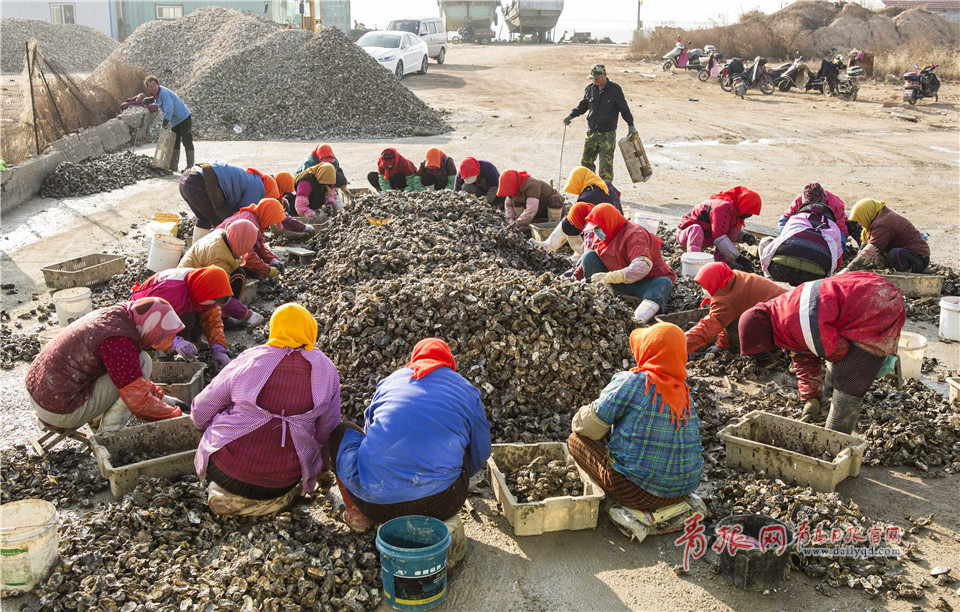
{"x":216,"y":190}
{"x":719,"y":222}
{"x":260,"y":261}
{"x":481,"y":178}
{"x":438,"y":170}
{"x":529,"y":200}
{"x":569,"y":230}
{"x":395,"y":172}
{"x":889,"y":238}
{"x":323,"y":154}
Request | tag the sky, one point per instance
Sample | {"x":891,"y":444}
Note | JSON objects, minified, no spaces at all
{"x":614,"y":18}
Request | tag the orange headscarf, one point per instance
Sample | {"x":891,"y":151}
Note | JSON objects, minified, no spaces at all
{"x":607,"y":218}
{"x":434,"y":158}
{"x":510,"y":183}
{"x":284,"y":182}
{"x":661,"y":353}
{"x":578,"y":214}
{"x":208,"y":283}
{"x":269,"y":185}
{"x":432,"y":353}
{"x":269,"y":212}
{"x":745,"y":200}
{"x":323,"y":151}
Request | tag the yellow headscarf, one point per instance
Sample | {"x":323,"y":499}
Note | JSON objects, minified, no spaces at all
{"x":581,"y":178}
{"x":292,"y":326}
{"x":864,"y":212}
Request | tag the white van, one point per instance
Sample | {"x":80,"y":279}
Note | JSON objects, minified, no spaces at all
{"x":430,"y":29}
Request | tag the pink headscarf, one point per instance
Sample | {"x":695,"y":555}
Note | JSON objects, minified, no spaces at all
{"x":156,"y":320}
{"x":242,"y":235}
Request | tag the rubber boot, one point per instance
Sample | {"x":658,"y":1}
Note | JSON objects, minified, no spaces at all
{"x":458,"y":541}
{"x":554,"y":215}
{"x":645,"y":311}
{"x":553,"y":242}
{"x":115,"y":417}
{"x":175,"y":160}
{"x":190,"y":158}
{"x":198,"y":233}
{"x":352,"y":516}
{"x":827,"y":383}
{"x":764,"y":243}
{"x":844,"y":412}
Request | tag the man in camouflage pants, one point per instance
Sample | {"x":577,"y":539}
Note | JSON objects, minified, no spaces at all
{"x":603,"y":101}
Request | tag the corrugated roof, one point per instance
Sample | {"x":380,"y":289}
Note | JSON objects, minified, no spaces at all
{"x":943,"y":5}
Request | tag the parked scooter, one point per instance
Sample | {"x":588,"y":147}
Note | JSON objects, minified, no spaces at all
{"x":785,"y":75}
{"x":755,"y":75}
{"x":922,"y":84}
{"x":827,"y":78}
{"x":711,"y":67}
{"x":681,"y":57}
{"x":729,"y":68}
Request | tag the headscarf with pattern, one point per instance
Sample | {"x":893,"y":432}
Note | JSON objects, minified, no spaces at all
{"x":155,"y":319}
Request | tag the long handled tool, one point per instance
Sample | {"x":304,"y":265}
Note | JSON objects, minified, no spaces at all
{"x":562,"y":141}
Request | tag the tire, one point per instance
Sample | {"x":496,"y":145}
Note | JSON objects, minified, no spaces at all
{"x":766,"y":86}
{"x":726,"y":83}
{"x":455,"y":39}
{"x":398,"y":71}
{"x":912,"y":101}
{"x":784,"y":85}
{"x":667,"y":65}
{"x":442,"y":55}
{"x":703,"y":75}
{"x":423,"y":66}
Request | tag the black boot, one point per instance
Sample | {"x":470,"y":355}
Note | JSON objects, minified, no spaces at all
{"x":189,"y":159}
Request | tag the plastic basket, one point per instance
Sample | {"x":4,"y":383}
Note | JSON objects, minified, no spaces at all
{"x":749,"y":447}
{"x":183,"y":381}
{"x":249,"y":291}
{"x":915,"y":285}
{"x":542,"y":231}
{"x":684,"y":319}
{"x":85,"y":271}
{"x":552,"y":514}
{"x":175,"y":434}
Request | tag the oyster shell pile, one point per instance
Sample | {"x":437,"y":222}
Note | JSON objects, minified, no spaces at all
{"x":17,"y":347}
{"x":98,"y":174}
{"x":159,"y":548}
{"x":540,"y":479}
{"x":64,"y":476}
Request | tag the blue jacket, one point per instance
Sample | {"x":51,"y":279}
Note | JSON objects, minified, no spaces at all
{"x":488,"y":180}
{"x":174,"y":110}
{"x":240,"y":188}
{"x":420,"y":434}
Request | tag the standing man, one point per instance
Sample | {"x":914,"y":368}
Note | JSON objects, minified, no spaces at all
{"x":602,"y":101}
{"x":177,"y":116}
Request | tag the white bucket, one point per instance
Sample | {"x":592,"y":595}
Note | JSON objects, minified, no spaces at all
{"x":691,"y":262}
{"x":165,"y":252}
{"x":47,"y":335}
{"x":911,"y":351}
{"x":649,"y":222}
{"x":28,"y":543}
{"x":950,"y":318}
{"x":72,"y":304}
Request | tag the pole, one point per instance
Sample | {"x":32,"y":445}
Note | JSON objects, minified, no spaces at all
{"x":33,"y":101}
{"x":560,"y":171}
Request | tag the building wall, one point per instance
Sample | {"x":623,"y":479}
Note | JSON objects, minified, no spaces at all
{"x":93,"y":13}
{"x":138,"y":12}
{"x":948,"y":14}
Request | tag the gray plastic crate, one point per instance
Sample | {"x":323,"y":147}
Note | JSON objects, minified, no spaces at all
{"x":86,"y":271}
{"x":182,"y":380}
{"x":542,"y":231}
{"x":684,"y":319}
{"x":915,"y":285}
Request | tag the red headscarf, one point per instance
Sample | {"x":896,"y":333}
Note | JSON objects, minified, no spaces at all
{"x":430,"y":354}
{"x":155,"y":320}
{"x":510,"y":183}
{"x":284,"y":182}
{"x":401,"y":165}
{"x":434,"y":158}
{"x":241,"y":235}
{"x":323,"y":151}
{"x":756,"y":331}
{"x":714,"y":276}
{"x":469,"y":167}
{"x":578,"y":214}
{"x":746,"y":201}
{"x":661,"y":353}
{"x":269,"y":184}
{"x":208,"y":283}
{"x":607,"y":218}
{"x":269,"y":212}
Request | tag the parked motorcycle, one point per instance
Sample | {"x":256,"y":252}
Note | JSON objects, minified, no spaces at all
{"x":785,"y":75}
{"x":681,"y":57}
{"x":729,"y":68}
{"x":846,"y":85}
{"x":711,"y":67}
{"x":922,"y":84}
{"x":827,"y":77}
{"x":738,"y":85}
{"x":755,"y":75}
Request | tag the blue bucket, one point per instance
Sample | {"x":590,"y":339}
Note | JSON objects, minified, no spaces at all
{"x":413,"y":561}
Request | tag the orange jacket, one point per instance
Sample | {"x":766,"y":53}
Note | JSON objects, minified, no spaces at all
{"x":742,"y":292}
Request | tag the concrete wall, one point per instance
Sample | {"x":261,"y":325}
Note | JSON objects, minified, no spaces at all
{"x":93,"y":13}
{"x":20,"y":183}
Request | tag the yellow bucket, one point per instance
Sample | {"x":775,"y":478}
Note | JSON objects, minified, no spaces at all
{"x":168,"y":218}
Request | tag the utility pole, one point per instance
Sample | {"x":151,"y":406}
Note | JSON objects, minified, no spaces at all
{"x":639,"y":30}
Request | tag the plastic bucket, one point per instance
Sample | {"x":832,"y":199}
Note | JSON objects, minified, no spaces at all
{"x":690,"y":263}
{"x":413,"y":561}
{"x":950,"y":318}
{"x":756,"y":568}
{"x":911,"y":350}
{"x":47,"y":335}
{"x":649,"y":222}
{"x":165,"y":252}
{"x":28,"y":543}
{"x":72,"y":304}
{"x":168,"y":218}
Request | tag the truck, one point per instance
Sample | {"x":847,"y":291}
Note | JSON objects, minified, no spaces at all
{"x":533,"y":17}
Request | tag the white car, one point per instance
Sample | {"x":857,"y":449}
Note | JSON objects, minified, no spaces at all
{"x":399,"y":52}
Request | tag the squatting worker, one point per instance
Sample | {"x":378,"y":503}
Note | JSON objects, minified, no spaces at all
{"x":852,"y":320}
{"x":653,"y":456}
{"x":316,"y":193}
{"x":98,"y":367}
{"x":628,"y":258}
{"x":216,"y":190}
{"x":889,"y":237}
{"x":481,"y":178}
{"x":588,"y":187}
{"x":260,"y":261}
{"x":194,"y":294}
{"x":395,"y":171}
{"x":177,"y":116}
{"x":603,"y":101}
{"x":266,"y":420}
{"x":426,"y":434}
{"x":719,"y":222}
{"x":323,"y":154}
{"x":730,"y":294}
{"x":816,"y":192}
{"x":529,"y":200}
{"x":438,"y":170}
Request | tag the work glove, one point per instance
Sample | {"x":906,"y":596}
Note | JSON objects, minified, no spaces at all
{"x":309,"y":229}
{"x":273,"y":273}
{"x":184,"y":348}
{"x":567,"y":120}
{"x":254,"y":319}
{"x":220,"y":356}
{"x":632,"y":131}
{"x":308,"y":213}
{"x":611,"y":278}
{"x":177,"y":403}
{"x":748,"y":239}
{"x":166,"y":124}
{"x":811,"y":410}
{"x":279,"y":265}
{"x":745,"y":264}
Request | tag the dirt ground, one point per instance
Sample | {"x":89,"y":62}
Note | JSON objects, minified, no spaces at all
{"x":506,"y":104}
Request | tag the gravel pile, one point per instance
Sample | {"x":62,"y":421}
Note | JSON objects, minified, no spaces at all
{"x":237,"y":69}
{"x":77,"y":48}
{"x":98,"y":174}
{"x":64,"y":476}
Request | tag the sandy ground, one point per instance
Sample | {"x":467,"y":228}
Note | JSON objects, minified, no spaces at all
{"x":506,"y":104}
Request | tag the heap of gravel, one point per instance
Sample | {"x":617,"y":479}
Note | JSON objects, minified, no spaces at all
{"x":77,"y":48}
{"x":238,"y":69}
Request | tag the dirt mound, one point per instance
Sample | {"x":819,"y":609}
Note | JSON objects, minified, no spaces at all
{"x":235,"y":69}
{"x":77,"y":48}
{"x":920,"y":24}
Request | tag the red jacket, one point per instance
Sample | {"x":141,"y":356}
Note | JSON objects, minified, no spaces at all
{"x":820,"y":319}
{"x":631,"y":242}
{"x":716,"y":217}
